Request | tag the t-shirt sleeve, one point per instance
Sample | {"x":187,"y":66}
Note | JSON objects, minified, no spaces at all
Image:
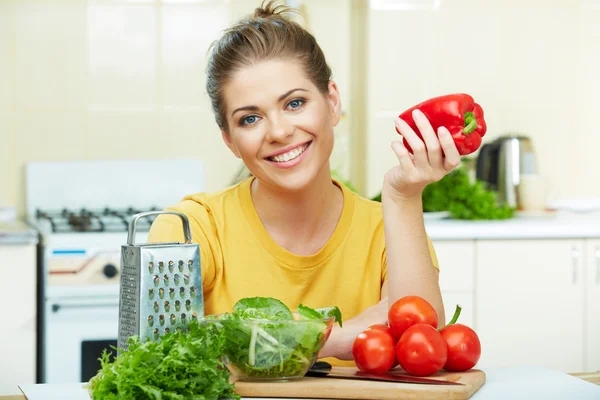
{"x":169,"y":228}
{"x":432,"y":252}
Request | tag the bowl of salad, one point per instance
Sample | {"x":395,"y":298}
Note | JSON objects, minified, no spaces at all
{"x":263,"y":340}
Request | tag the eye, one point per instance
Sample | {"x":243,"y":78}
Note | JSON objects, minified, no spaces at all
{"x":249,"y":120}
{"x":296,"y":103}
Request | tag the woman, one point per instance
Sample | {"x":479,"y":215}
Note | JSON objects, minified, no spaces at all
{"x":290,"y":231}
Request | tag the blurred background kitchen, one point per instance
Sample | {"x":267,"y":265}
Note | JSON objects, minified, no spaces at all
{"x":103,"y":113}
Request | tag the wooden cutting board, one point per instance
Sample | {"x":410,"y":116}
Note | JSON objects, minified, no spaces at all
{"x":335,"y":388}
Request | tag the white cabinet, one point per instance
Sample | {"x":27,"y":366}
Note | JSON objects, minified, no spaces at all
{"x":18,"y":289}
{"x":592,"y":310}
{"x":529,"y":303}
{"x":457,"y":266}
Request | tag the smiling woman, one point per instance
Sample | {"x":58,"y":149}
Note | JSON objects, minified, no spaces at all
{"x":290,"y":231}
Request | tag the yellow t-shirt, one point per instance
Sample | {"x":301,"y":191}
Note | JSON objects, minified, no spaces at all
{"x":239,"y":258}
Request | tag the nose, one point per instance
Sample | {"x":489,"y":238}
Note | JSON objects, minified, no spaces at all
{"x":280,"y":129}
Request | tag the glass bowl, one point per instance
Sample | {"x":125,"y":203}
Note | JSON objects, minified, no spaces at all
{"x":267,"y":350}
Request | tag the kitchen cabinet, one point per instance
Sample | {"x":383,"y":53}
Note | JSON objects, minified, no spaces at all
{"x":457,"y":265}
{"x":18,"y":288}
{"x":592,"y":309}
{"x":529,"y":303}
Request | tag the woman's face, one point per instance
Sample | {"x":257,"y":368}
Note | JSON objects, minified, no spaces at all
{"x":280,"y":124}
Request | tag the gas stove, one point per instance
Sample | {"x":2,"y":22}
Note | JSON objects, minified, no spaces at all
{"x":82,"y":211}
{"x":98,"y":220}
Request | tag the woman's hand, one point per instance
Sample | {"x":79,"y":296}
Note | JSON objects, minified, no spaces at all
{"x":340,"y":341}
{"x":433,"y":158}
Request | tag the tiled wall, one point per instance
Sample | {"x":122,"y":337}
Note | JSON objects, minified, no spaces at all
{"x":534,"y":65}
{"x":111,"y":79}
{"x":114,"y":79}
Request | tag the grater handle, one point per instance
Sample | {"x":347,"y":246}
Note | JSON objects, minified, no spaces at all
{"x":132,"y":225}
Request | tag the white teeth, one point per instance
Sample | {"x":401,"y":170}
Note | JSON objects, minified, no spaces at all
{"x":290,"y":155}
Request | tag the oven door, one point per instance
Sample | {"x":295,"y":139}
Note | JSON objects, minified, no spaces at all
{"x":77,"y":332}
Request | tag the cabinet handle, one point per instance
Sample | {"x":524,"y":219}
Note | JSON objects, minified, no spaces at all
{"x":597,"y":254}
{"x":575,"y":257}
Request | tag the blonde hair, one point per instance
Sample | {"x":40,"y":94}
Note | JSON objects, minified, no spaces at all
{"x":267,"y":34}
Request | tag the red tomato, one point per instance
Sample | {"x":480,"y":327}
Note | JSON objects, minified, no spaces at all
{"x":373,"y":350}
{"x":421,"y":351}
{"x":408,"y":311}
{"x":464,"y":348}
{"x":382,"y":327}
{"x":388,"y":330}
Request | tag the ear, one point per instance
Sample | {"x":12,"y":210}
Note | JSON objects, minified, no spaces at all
{"x":227,"y":139}
{"x":335,"y":103}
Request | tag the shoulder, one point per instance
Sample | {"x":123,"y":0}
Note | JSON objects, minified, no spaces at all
{"x":204,"y":210}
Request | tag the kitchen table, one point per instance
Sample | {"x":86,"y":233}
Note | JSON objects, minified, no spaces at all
{"x":520,"y":382}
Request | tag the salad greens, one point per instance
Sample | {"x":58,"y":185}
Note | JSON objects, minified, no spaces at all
{"x":180,"y":366}
{"x":261,"y":339}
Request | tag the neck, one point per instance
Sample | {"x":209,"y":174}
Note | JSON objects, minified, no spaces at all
{"x":305,"y":212}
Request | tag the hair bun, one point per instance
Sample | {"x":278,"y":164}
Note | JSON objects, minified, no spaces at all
{"x":270,"y":9}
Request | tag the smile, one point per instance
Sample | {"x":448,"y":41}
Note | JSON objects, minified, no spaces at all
{"x":290,"y":155}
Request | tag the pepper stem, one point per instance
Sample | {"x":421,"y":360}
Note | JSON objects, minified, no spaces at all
{"x":470,"y":123}
{"x":455,"y":316}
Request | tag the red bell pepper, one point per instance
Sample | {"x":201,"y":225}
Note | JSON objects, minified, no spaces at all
{"x":456,"y":112}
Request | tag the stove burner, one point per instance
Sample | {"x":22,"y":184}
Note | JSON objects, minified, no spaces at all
{"x":84,"y":220}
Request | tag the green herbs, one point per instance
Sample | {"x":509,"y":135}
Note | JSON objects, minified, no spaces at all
{"x":180,"y":366}
{"x":474,"y":201}
{"x":262,"y":340}
{"x":462,"y":198}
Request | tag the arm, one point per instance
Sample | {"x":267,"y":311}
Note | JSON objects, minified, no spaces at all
{"x":340,"y":341}
{"x":410,"y":269}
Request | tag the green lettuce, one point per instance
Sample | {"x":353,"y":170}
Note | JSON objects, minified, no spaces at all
{"x":263,"y":341}
{"x":183,"y":365}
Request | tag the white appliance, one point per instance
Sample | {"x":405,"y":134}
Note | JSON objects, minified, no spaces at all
{"x":82,"y":210}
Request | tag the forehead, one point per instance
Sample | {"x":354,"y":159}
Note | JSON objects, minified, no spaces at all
{"x":264,"y":82}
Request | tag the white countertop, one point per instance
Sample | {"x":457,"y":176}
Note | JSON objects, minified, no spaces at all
{"x":563,"y":225}
{"x":515,"y":383}
{"x":17,"y":232}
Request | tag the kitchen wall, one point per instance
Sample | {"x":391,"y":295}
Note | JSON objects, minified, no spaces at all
{"x":111,"y":79}
{"x":114,"y":79}
{"x":532,"y":64}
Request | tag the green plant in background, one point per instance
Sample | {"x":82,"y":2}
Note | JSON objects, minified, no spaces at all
{"x":462,"y":198}
{"x":335,"y":174}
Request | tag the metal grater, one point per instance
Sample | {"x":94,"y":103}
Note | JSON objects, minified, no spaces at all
{"x":161,"y":285}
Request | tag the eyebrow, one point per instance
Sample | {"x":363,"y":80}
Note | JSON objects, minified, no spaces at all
{"x":255,"y":108}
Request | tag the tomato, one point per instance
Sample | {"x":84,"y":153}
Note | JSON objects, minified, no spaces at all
{"x":382,"y":327}
{"x":374,"y":350}
{"x":421,"y":350}
{"x":408,"y":311}
{"x":387,"y":329}
{"x":464,"y":348}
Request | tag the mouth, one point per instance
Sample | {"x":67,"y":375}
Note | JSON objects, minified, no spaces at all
{"x":290,"y":155}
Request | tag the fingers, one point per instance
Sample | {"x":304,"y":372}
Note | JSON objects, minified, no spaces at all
{"x":452,"y":157}
{"x":415,"y":142}
{"x":404,"y":157}
{"x":432,"y":144}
